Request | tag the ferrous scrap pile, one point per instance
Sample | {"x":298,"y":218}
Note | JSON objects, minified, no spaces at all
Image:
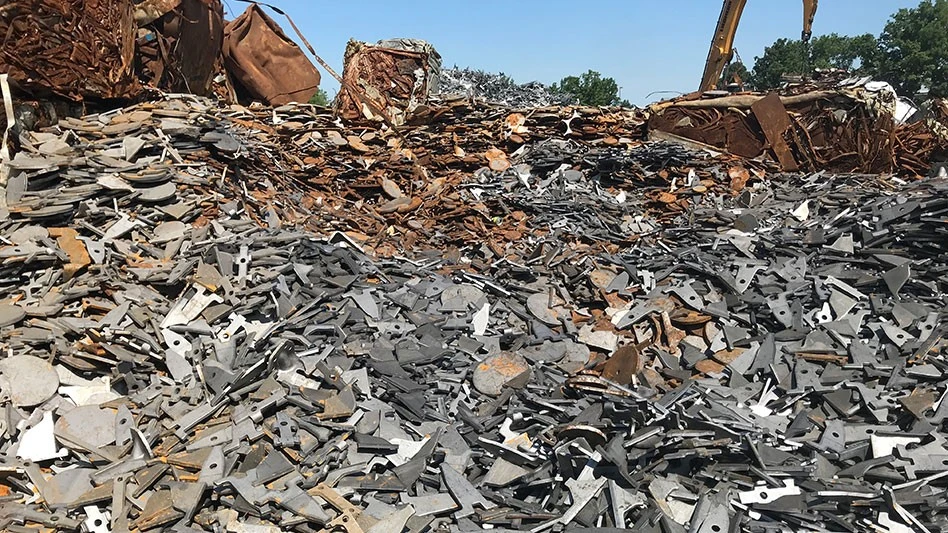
{"x":841,"y":127}
{"x":416,"y":189}
{"x":254,"y":320}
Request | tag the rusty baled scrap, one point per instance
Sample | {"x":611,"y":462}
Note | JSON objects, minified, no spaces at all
{"x":397,"y":75}
{"x":264,"y":63}
{"x":76,"y":49}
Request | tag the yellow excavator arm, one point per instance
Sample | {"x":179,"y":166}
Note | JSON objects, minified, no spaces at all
{"x":809,"y":13}
{"x":722,"y":44}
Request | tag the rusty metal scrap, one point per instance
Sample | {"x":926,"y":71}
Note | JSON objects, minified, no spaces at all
{"x":95,"y":50}
{"x":832,"y":124}
{"x":774,"y":122}
{"x":396,"y":75}
{"x":179,"y":44}
{"x":919,"y":144}
{"x":76,"y":49}
{"x":195,"y":33}
{"x":844,"y":129}
{"x":265,"y":63}
{"x":339,"y":175}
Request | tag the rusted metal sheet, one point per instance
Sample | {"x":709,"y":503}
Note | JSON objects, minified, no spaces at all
{"x":725,"y":131}
{"x":67,"y":239}
{"x":197,"y":28}
{"x":266,"y":64}
{"x":72,"y":48}
{"x":179,"y":51}
{"x":774,"y":122}
{"x":398,"y":75}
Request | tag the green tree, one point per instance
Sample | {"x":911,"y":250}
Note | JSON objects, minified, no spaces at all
{"x":590,"y":89}
{"x":785,"y":56}
{"x":793,"y":56}
{"x":847,"y":53}
{"x":913,"y":49}
{"x":320,"y":98}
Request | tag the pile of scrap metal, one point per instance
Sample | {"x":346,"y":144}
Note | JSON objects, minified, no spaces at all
{"x":500,"y":89}
{"x":573,"y":332}
{"x":854,"y":126}
{"x":89,"y":51}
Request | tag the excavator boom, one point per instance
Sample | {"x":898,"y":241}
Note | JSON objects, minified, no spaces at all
{"x":722,"y":45}
{"x":809,"y":13}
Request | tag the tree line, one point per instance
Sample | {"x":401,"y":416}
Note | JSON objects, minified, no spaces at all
{"x":911,"y":54}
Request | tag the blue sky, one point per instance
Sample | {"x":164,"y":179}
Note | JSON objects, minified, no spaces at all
{"x":645,"y":45}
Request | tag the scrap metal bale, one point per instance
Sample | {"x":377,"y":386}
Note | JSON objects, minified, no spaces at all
{"x":395,"y":76}
{"x":845,"y":134}
{"x":265,"y":63}
{"x":77,"y":49}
